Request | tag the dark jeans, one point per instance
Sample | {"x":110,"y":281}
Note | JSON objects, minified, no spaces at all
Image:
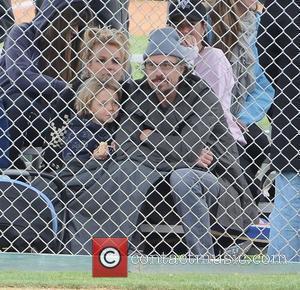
{"x":253,"y":154}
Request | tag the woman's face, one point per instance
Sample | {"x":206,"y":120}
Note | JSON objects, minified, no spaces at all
{"x":107,"y":62}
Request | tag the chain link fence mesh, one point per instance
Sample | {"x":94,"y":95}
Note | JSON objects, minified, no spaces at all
{"x":164,"y":139}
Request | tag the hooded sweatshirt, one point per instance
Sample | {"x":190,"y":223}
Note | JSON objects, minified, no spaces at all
{"x":20,"y":65}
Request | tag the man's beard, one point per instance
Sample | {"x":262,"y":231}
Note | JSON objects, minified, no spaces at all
{"x":156,"y":87}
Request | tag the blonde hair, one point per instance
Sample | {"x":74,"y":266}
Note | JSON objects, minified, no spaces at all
{"x":89,"y":91}
{"x":103,"y":36}
{"x":226,"y":25}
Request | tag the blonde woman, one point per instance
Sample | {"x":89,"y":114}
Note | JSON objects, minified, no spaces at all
{"x":105,"y":53}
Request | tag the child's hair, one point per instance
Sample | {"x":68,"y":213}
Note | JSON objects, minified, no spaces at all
{"x":105,"y":35}
{"x":90,"y":90}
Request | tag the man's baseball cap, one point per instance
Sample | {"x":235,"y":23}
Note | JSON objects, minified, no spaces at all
{"x":165,"y":41}
{"x":191,"y":10}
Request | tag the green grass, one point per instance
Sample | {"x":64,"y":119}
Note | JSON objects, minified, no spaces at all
{"x":137,"y":71}
{"x":138,"y":44}
{"x":264,"y":123}
{"x":150,"y":281}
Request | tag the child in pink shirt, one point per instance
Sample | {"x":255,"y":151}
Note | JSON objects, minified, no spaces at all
{"x":209,"y":63}
{"x":212,"y":66}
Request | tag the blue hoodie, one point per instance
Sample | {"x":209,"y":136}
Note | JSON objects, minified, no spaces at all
{"x":20,"y":68}
{"x":260,"y":99}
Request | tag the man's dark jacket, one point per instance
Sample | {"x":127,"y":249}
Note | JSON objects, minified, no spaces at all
{"x":194,"y":122}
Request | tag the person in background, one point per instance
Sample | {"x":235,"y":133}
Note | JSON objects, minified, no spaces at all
{"x":235,"y":24}
{"x":109,"y":13}
{"x":7,"y":19}
{"x":278,"y":45}
{"x":209,"y":63}
{"x":38,"y":67}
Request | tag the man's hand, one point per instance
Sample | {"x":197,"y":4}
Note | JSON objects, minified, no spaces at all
{"x":145,"y":134}
{"x":205,"y":158}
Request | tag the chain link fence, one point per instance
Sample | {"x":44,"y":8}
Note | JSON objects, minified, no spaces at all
{"x":164,"y":122}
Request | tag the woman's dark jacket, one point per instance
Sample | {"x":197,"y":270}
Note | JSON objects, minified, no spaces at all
{"x":279,"y":49}
{"x":20,"y":63}
{"x":7,"y":18}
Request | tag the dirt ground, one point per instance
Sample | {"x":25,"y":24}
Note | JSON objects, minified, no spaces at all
{"x":145,"y":15}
